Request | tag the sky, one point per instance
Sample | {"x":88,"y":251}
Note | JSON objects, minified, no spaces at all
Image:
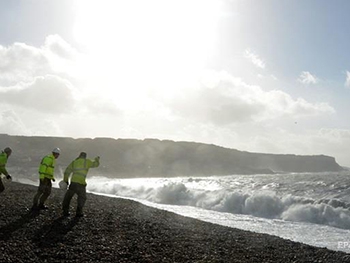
{"x":269,"y":76}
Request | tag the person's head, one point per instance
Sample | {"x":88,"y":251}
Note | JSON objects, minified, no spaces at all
{"x":56,"y":152}
{"x":8,"y":151}
{"x":82,"y":155}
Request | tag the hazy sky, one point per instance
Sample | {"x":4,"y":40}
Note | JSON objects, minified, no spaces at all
{"x":267,"y":76}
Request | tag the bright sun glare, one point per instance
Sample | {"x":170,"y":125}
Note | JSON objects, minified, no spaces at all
{"x":137,"y":45}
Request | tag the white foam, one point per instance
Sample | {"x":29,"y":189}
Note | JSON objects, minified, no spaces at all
{"x":197,"y":193}
{"x":318,"y":214}
{"x":296,"y":207}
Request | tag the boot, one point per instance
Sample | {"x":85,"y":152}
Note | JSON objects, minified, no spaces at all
{"x":79,"y":212}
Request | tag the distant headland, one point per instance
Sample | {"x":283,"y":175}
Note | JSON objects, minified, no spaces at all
{"x":123,"y":158}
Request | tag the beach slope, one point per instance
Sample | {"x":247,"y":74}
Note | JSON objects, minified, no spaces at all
{"x":119,"y":230}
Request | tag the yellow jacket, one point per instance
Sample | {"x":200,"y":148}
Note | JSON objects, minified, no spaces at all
{"x":47,"y":167}
{"x":3,"y":162}
{"x":80,"y":167}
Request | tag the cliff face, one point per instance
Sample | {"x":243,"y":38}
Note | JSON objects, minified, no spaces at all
{"x":151,"y":157}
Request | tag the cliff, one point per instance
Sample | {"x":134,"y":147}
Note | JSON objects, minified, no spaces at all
{"x":152,"y":157}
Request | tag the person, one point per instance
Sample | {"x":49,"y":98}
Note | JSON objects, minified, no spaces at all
{"x":46,"y":175}
{"x":5,"y":154}
{"x":79,"y":169}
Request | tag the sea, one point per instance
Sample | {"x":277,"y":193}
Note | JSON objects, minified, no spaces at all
{"x":311,"y":208}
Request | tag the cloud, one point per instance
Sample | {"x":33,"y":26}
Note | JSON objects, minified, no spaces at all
{"x":49,"y":91}
{"x":50,"y":94}
{"x":102,"y":106}
{"x":59,"y":47}
{"x":280,"y":104}
{"x":11,"y":123}
{"x":22,"y":122}
{"x":254,"y":59}
{"x":48,"y":78}
{"x":21,"y":62}
{"x":347,"y":81}
{"x":227,"y":100}
{"x":307,"y":78}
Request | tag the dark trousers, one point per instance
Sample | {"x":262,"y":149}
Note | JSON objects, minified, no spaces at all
{"x":80,"y":190}
{"x":44,"y":191}
{"x":2,"y":187}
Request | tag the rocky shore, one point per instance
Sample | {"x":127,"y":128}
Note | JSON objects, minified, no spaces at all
{"x":118,"y":230}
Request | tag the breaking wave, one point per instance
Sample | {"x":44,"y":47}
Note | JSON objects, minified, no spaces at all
{"x":259,"y":202}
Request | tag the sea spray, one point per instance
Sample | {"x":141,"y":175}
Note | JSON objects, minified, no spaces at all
{"x":261,"y":196}
{"x":311,"y":208}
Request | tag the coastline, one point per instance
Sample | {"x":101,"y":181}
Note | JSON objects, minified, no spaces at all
{"x":121,"y":230}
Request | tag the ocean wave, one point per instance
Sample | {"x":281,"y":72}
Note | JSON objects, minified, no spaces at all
{"x":259,"y":203}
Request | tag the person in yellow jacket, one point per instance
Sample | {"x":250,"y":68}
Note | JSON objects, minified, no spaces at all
{"x":79,"y":169}
{"x":5,"y":154}
{"x":46,"y":175}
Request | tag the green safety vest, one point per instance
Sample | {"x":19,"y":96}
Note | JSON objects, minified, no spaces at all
{"x":3,"y":161}
{"x":80,"y":168}
{"x":47,"y":167}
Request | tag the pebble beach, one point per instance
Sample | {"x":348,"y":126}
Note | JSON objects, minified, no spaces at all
{"x":121,"y":230}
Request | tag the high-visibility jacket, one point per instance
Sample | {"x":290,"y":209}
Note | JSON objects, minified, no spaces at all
{"x":3,"y":162}
{"x":80,"y":168}
{"x":47,"y":167}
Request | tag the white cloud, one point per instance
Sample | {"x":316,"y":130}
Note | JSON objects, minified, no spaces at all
{"x":49,"y":91}
{"x":281,"y":104}
{"x":16,"y":121}
{"x":274,"y":77}
{"x":347,"y":81}
{"x":21,"y":62}
{"x":50,"y":94}
{"x":49,"y":78}
{"x":101,"y":106}
{"x":307,"y":78}
{"x":59,"y":47}
{"x":254,"y":59}
{"x":11,"y":123}
{"x":44,"y":89}
{"x":229,"y":100}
